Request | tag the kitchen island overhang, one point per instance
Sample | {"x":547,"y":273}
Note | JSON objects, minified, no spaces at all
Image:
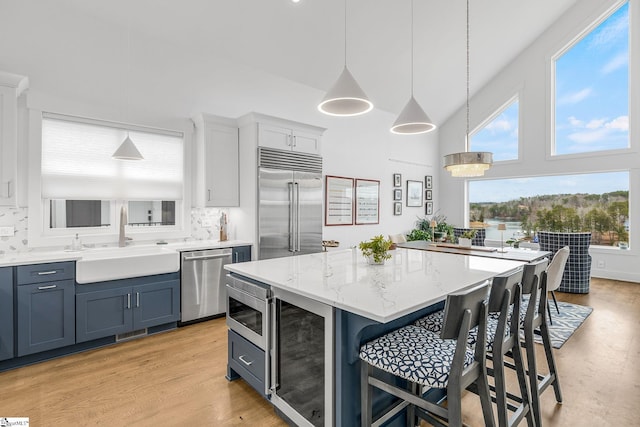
{"x":368,"y":300}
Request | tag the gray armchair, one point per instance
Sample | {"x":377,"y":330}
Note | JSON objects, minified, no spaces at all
{"x":577,"y":271}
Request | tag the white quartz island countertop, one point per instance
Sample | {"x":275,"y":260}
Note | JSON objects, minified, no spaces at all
{"x":409,"y":281}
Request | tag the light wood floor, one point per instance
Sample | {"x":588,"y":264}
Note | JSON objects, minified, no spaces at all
{"x":177,"y":378}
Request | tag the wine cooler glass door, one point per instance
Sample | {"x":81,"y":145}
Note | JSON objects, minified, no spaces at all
{"x":302,"y":359}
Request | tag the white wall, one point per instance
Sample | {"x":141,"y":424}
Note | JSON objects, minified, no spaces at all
{"x":529,"y":74}
{"x":78,"y":65}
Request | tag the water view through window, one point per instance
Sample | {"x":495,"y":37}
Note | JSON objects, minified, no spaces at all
{"x":597,"y":202}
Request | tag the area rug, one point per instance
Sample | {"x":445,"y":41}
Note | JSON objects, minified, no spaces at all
{"x":565,"y":324}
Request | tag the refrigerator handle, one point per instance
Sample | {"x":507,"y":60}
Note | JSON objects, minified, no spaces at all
{"x":292,"y":247}
{"x":297,"y":218}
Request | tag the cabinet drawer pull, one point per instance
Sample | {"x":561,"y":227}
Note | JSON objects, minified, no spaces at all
{"x":137,"y":299}
{"x":128,"y":300}
{"x":42,"y":288}
{"x":46,"y":273}
{"x":244,"y":361}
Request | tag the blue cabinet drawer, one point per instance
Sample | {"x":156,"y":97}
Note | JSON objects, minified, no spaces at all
{"x":51,"y":272}
{"x":247,"y":360}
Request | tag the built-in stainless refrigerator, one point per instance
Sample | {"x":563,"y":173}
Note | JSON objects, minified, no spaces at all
{"x":289,"y":203}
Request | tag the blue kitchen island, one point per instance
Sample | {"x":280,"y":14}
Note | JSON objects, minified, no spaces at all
{"x":322,"y":307}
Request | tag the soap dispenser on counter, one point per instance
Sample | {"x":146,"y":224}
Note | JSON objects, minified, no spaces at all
{"x":76,"y":244}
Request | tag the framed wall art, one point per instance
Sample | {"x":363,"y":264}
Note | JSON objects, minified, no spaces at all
{"x":397,"y":180}
{"x":414,"y":193}
{"x":397,"y":208}
{"x":428,"y":208}
{"x":397,"y":194}
{"x":338,"y":200}
{"x":428,"y":194}
{"x":428,"y":182}
{"x":367,"y":201}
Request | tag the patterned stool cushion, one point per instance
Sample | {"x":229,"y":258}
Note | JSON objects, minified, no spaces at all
{"x":415,"y":354}
{"x":433,"y":322}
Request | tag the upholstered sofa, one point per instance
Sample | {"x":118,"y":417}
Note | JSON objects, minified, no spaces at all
{"x":577,"y":271}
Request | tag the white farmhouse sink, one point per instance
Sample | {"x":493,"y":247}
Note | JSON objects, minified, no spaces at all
{"x":99,"y":265}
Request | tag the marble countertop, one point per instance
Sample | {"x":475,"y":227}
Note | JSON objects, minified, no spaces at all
{"x":516,"y":254}
{"x":409,"y":281}
{"x":39,"y":257}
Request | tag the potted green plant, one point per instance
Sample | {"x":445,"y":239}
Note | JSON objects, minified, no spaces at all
{"x":376,"y":250}
{"x":466,"y":238}
{"x":423,"y":231}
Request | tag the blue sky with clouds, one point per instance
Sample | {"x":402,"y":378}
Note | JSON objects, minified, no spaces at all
{"x":592,"y":114}
{"x":592,"y":87}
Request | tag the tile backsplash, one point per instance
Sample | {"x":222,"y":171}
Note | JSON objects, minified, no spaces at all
{"x":16,"y":217}
{"x":204,"y":226}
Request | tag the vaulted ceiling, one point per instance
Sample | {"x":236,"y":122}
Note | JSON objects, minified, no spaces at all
{"x":305,"y":42}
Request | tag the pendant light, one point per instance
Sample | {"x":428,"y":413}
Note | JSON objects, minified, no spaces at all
{"x":127,"y":150}
{"x":346,"y":97}
{"x":412,"y":119}
{"x":468,"y":163}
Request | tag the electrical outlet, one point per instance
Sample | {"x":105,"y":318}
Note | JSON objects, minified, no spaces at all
{"x":601,"y":263}
{"x":7,"y":231}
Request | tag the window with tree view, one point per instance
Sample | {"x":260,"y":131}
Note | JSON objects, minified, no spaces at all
{"x":596,"y":202}
{"x":592,"y":89}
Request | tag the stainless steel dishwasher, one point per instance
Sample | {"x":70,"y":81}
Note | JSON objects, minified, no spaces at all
{"x":203,"y":293}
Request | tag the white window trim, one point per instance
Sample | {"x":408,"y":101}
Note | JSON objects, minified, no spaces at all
{"x":587,"y":26}
{"x":496,"y":112}
{"x":39,"y":233}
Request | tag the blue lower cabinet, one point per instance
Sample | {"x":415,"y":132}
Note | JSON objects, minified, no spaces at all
{"x":6,"y":313}
{"x":45,"y":316}
{"x":156,"y":304}
{"x":103,"y":313}
{"x":241,"y":254}
{"x":123,"y":307}
{"x":245,"y":360}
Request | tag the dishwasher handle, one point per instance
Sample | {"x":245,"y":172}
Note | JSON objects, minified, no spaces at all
{"x":205,"y":257}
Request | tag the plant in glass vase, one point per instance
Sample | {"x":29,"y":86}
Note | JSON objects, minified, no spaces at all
{"x":376,"y":250}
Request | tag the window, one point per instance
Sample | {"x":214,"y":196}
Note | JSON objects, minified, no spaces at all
{"x":83,"y":188}
{"x":596,"y":202}
{"x":500,"y":135}
{"x":592,"y":89}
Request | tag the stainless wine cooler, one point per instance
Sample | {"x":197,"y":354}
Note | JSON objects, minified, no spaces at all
{"x":302,"y":366}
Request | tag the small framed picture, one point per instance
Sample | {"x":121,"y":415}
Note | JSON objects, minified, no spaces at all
{"x":414,"y":193}
{"x":428,"y":194}
{"x":397,"y":194}
{"x":428,"y":182}
{"x":428,"y":208}
{"x":397,"y":180}
{"x":397,"y":208}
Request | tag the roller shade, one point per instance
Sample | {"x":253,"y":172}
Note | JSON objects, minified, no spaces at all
{"x":77,"y":163}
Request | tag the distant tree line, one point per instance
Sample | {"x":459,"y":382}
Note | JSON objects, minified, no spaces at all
{"x":605,"y":215}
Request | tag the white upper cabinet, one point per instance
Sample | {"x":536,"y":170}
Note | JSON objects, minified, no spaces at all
{"x":11,"y":86}
{"x":217,"y":162}
{"x":287,"y":135}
